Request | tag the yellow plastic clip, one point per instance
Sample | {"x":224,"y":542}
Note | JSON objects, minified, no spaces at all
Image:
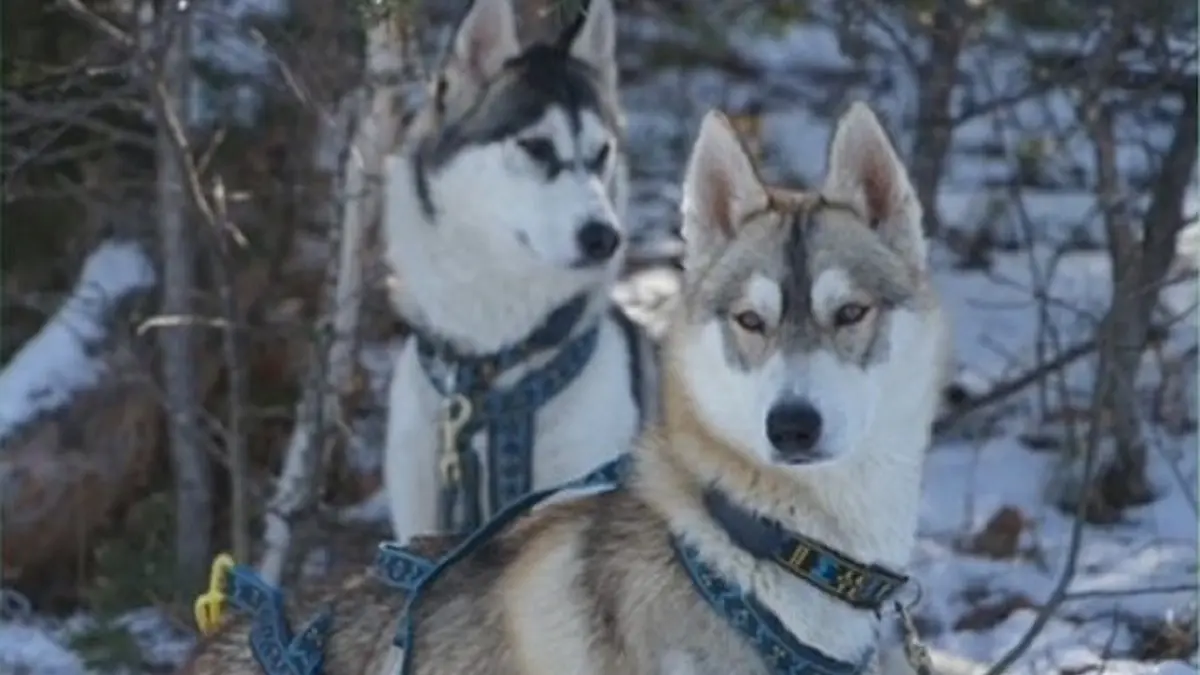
{"x":210,"y":606}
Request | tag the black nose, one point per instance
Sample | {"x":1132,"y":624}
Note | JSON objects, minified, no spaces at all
{"x":598,"y":240}
{"x":793,"y":427}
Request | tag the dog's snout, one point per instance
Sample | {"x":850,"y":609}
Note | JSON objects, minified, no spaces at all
{"x":598,"y":240}
{"x":794,"y":427}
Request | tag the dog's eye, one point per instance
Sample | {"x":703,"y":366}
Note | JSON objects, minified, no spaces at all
{"x":540,"y":150}
{"x":597,"y":162}
{"x":850,"y":314}
{"x":751,"y":322}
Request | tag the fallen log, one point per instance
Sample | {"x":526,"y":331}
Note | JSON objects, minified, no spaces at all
{"x":81,"y":415}
{"x":78,"y":420}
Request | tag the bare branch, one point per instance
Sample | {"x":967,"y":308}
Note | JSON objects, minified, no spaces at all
{"x":235,"y":442}
{"x":1127,"y":592}
{"x":98,"y":22}
{"x":1059,"y":594}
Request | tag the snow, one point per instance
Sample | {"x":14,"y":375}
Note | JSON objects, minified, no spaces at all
{"x":31,"y":649}
{"x":56,"y":363}
{"x":1154,"y":548}
{"x":34,"y":646}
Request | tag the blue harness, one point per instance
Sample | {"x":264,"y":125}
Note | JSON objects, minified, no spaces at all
{"x":474,"y":404}
{"x":271,"y":641}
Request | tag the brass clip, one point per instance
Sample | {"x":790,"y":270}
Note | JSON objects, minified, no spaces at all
{"x":915,"y":652}
{"x":456,"y":411}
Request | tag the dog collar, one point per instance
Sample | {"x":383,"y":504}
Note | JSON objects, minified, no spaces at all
{"x":474,"y":372}
{"x":781,"y":652}
{"x":834,"y":573}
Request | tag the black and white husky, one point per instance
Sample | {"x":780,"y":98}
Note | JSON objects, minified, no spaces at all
{"x":503,"y":226}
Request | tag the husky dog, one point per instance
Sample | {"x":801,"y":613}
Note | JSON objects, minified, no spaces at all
{"x":802,"y":372}
{"x":503,"y":215}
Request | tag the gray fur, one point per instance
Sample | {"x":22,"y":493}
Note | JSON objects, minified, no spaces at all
{"x":791,"y":242}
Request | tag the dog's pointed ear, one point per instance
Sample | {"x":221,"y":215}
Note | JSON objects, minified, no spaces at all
{"x":486,"y":38}
{"x":595,"y":40}
{"x":721,"y":187}
{"x":864,"y":167}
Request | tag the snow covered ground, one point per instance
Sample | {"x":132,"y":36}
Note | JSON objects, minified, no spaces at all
{"x":1130,"y":575}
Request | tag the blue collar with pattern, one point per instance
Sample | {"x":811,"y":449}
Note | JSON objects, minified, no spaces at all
{"x":860,"y":585}
{"x":832,"y":572}
{"x":781,"y":652}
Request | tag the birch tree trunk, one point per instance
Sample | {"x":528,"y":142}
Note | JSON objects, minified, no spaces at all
{"x":189,"y":463}
{"x":389,"y":48}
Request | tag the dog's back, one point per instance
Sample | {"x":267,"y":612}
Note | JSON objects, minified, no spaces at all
{"x":608,"y":593}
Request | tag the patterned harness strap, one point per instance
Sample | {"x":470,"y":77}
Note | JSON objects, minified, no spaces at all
{"x":472,"y":403}
{"x":271,"y":641}
{"x":857,"y":584}
{"x":779,"y":649}
{"x":411,"y":572}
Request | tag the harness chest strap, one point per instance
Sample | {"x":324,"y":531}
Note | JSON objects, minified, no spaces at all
{"x":473,"y":404}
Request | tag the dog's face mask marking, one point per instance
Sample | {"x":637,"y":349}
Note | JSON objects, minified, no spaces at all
{"x":799,"y":306}
{"x":535,"y":131}
{"x":561,"y":167}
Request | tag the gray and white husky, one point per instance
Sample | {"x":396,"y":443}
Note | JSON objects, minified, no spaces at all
{"x":503,"y":212}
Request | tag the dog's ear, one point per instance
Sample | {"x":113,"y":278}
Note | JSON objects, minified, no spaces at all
{"x":595,"y":40}
{"x":486,"y":38}
{"x":864,"y":168}
{"x":721,"y":188}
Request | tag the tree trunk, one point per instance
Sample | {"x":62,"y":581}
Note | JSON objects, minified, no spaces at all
{"x":936,"y":79}
{"x":1138,"y":273}
{"x":189,"y":462}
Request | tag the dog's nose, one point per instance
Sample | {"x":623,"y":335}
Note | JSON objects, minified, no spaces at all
{"x":793,"y":427}
{"x":598,"y":240}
